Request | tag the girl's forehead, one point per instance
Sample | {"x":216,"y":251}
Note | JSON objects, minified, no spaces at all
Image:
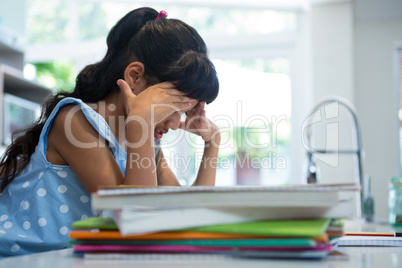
{"x":194,"y":105}
{"x":197,"y":103}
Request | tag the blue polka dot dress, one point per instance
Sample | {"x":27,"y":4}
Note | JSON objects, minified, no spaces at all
{"x":38,"y":207}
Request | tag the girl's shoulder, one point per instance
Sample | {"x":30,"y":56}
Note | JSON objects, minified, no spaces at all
{"x":68,"y":114}
{"x":69,"y":125}
{"x":71,"y":111}
{"x":73,"y":117}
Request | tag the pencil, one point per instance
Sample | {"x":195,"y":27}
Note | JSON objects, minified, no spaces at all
{"x":396,"y":234}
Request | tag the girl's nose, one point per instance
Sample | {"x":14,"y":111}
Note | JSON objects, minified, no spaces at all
{"x":173,"y":122}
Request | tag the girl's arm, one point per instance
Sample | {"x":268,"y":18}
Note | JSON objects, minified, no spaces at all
{"x":207,"y":171}
{"x":140,"y":167}
{"x":165,"y":175}
{"x":74,"y":142}
{"x":141,"y":164}
{"x":197,"y":123}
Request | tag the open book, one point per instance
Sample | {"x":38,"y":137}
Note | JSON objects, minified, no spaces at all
{"x":173,"y":197}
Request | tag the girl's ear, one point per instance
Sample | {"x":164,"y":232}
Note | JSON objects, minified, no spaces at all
{"x":134,"y":75}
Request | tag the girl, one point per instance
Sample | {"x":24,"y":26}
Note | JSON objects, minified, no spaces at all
{"x":107,"y":130}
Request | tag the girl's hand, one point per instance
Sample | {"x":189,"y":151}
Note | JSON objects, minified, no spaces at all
{"x":197,"y":123}
{"x":154,"y":103}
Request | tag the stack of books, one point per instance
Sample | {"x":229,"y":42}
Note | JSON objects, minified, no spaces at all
{"x":239,"y":221}
{"x":262,"y":239}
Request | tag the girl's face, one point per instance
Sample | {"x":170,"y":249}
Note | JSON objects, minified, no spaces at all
{"x":171,"y":122}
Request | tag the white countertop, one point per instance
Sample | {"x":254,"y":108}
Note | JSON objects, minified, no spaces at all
{"x":356,"y":257}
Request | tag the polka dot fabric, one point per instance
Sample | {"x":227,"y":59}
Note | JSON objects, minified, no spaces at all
{"x":39,"y":206}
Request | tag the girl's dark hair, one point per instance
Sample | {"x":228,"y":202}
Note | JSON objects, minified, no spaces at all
{"x":170,"y":50}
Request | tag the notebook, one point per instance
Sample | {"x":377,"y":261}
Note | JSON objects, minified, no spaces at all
{"x":378,"y":241}
{"x":172,"y":197}
{"x":132,"y":221}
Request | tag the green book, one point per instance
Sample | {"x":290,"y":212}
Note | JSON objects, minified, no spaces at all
{"x":285,"y":228}
{"x":95,"y":223}
{"x":283,"y":242}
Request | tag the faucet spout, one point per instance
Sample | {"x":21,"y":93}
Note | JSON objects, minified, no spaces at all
{"x":359,"y":152}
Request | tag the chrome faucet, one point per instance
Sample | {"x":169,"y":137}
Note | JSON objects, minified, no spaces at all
{"x":366,"y":200}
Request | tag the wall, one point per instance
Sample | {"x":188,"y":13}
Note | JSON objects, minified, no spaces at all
{"x":377,"y":27}
{"x":332,"y":75}
{"x":353,"y":56}
{"x":332,"y":50}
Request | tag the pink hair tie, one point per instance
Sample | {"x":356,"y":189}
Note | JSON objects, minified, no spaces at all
{"x":162,"y":14}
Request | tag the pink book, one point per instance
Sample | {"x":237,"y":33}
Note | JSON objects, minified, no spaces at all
{"x":145,"y":248}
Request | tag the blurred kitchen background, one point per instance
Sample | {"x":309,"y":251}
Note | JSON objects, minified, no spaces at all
{"x":275,"y":59}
